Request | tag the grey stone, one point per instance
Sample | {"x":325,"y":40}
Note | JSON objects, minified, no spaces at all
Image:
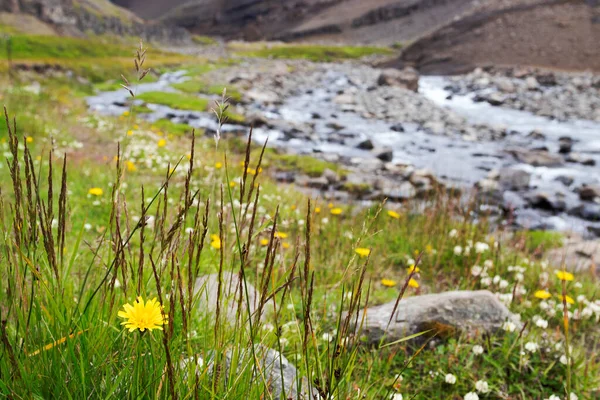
{"x":331,"y":176}
{"x":514,"y":179}
{"x":366,"y":144}
{"x":588,"y":211}
{"x":471,"y":312}
{"x":565,"y":144}
{"x":589,"y":192}
{"x":262,"y":96}
{"x":577,"y":255}
{"x":383,"y":153}
{"x":536,"y":158}
{"x":407,"y":78}
{"x":397,"y":127}
{"x":546,"y":201}
{"x":395,"y":191}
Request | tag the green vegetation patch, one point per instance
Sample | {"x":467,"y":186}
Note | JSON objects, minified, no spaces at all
{"x":541,"y":240}
{"x":315,"y":52}
{"x":178,"y":101}
{"x":200,"y":86}
{"x":204,"y":40}
{"x":170,"y":127}
{"x":295,"y":162}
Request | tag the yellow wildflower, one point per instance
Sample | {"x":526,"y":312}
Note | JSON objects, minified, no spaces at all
{"x":29,"y":139}
{"x":130,"y":166}
{"x":567,"y":298}
{"x":393,"y":214}
{"x":336,"y":211}
{"x":96,"y":191}
{"x":125,"y":113}
{"x":264,"y":242}
{"x":388,"y":282}
{"x":413,"y":268}
{"x":232,"y":184}
{"x":542,"y":294}
{"x":215,"y":241}
{"x":285,"y":245}
{"x":429,"y":249}
{"x":161,"y":143}
{"x":412,"y":283}
{"x":129,"y":133}
{"x":363,"y":252}
{"x":281,"y":235}
{"x":143,"y":316}
{"x":564,"y":276}
{"x":317,"y":210}
{"x":218,"y":165}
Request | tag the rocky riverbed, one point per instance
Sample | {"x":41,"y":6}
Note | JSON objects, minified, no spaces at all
{"x":529,"y":149}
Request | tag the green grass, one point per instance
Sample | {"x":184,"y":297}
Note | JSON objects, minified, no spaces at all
{"x":175,"y":100}
{"x":541,"y":240}
{"x":173,"y":128}
{"x":108,"y":262}
{"x":59,"y":47}
{"x":200,"y":86}
{"x":314,"y":52}
{"x":204,"y":40}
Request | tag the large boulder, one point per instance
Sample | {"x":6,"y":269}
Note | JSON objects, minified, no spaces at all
{"x":514,"y":178}
{"x":537,"y":158}
{"x":471,"y":312}
{"x":407,"y":78}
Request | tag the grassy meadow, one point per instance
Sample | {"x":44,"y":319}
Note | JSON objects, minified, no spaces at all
{"x":96,"y":211}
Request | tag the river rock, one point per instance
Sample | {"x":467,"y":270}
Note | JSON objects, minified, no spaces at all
{"x":397,"y":127}
{"x":407,"y":78}
{"x":471,"y":312}
{"x":514,"y":179}
{"x":579,"y":255}
{"x":580,"y":159}
{"x":565,"y":144}
{"x":395,"y":191}
{"x":536,"y":158}
{"x":546,"y":201}
{"x":385,"y":154}
{"x":262,"y":96}
{"x":331,"y":176}
{"x":589,"y":192}
{"x":366,"y":144}
{"x":588,"y":211}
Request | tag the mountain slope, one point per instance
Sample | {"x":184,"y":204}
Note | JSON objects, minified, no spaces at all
{"x":562,"y":34}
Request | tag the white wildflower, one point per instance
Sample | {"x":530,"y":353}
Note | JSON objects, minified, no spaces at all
{"x":476,"y":270}
{"x":481,"y":247}
{"x":458,"y":250}
{"x":482,"y":386}
{"x":471,"y":396}
{"x":509,"y":326}
{"x":450,"y":379}
{"x":531,"y":347}
{"x":477,"y":349}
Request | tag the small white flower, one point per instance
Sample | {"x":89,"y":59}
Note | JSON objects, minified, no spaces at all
{"x":458,"y":250}
{"x":488,"y":264}
{"x":553,"y":397}
{"x":117,"y":284}
{"x":531,"y":347}
{"x":476,"y":270}
{"x":327,"y":337}
{"x":396,"y":396}
{"x":487,"y":281}
{"x":87,"y":227}
{"x":509,"y":326}
{"x":482,"y":386}
{"x":453,"y":233}
{"x":325,"y":221}
{"x":189,"y":230}
{"x":471,"y":396}
{"x":450,"y":379}
{"x":477,"y":349}
{"x":573,"y":396}
{"x":541,"y":323}
{"x":564,"y":360}
{"x":481,"y":247}
{"x":503,"y":284}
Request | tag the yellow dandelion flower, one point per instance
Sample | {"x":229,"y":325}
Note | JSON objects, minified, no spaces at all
{"x":125,"y":113}
{"x":130,"y":166}
{"x":218,"y":165}
{"x":317,"y":210}
{"x":412,"y":283}
{"x":96,"y":191}
{"x":388,"y":282}
{"x":281,"y":235}
{"x":161,"y":143}
{"x":129,"y":133}
{"x":143,"y":316}
{"x":363,"y":252}
{"x":136,"y":126}
{"x":251,"y":171}
{"x":542,"y":294}
{"x":330,"y":205}
{"x":393,"y":214}
{"x":564,"y":276}
{"x":29,"y":139}
{"x":336,"y":211}
{"x":567,"y":298}
{"x":285,"y":245}
{"x":215,"y":241}
{"x":264,"y":242}
{"x":413,"y":268}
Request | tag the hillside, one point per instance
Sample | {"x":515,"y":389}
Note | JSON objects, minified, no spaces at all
{"x":558,"y":34}
{"x":81,"y":17}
